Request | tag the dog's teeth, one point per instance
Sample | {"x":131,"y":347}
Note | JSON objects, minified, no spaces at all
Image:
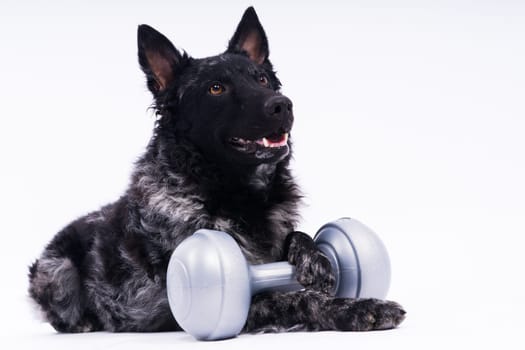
{"x":238,"y":140}
{"x":272,"y":144}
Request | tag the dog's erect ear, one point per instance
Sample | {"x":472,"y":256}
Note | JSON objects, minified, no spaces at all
{"x":158,"y":58}
{"x":250,"y":38}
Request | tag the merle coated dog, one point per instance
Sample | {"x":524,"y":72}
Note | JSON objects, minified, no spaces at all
{"x":218,"y":159}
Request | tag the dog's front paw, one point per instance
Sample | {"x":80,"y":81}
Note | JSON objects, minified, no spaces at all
{"x":315,"y":272}
{"x":312,"y":267}
{"x":365,"y":314}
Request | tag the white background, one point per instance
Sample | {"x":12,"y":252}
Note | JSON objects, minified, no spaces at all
{"x":410,"y":117}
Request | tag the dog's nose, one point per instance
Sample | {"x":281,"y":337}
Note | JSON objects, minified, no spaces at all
{"x":278,"y":107}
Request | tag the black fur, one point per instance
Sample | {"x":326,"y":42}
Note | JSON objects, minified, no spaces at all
{"x":209,"y":165}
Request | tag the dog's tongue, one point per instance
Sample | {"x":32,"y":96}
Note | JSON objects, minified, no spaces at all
{"x":273,"y":141}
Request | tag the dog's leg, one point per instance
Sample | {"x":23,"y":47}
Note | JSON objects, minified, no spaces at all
{"x":313,"y":268}
{"x":315,"y":311}
{"x":55,"y":284}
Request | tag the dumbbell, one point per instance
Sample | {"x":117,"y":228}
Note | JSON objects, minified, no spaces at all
{"x":210,"y":283}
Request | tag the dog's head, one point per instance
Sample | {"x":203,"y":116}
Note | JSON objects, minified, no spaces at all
{"x":228,"y":106}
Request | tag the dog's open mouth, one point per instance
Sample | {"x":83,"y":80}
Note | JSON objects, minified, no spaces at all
{"x":275,"y":140}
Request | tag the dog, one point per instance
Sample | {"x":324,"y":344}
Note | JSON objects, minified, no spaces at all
{"x":218,"y":159}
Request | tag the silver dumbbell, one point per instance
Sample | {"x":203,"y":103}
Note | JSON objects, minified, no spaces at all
{"x":210,"y":283}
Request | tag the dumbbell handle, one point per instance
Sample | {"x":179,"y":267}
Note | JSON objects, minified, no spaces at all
{"x":277,"y":276}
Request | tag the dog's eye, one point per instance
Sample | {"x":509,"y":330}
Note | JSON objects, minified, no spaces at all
{"x":263,"y":80}
{"x":216,"y":89}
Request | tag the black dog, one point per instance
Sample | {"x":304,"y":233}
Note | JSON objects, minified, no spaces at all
{"x":218,"y":159}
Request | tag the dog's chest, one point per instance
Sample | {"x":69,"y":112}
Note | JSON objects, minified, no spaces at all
{"x":258,"y":222}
